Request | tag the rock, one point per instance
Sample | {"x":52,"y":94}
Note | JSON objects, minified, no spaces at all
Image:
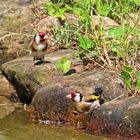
{"x":7,"y":57}
{"x":24,"y":2}
{"x":120,"y":117}
{"x":19,"y":21}
{"x":6,"y":89}
{"x":15,"y":19}
{"x":27,"y":78}
{"x":47,"y":23}
{"x":7,"y":98}
{"x":72,"y":18}
{"x":107,"y":22}
{"x":51,"y":101}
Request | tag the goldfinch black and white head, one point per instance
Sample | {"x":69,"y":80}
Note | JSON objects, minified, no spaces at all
{"x":40,"y":37}
{"x":75,"y":96}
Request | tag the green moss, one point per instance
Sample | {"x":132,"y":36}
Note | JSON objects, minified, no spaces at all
{"x":39,"y":76}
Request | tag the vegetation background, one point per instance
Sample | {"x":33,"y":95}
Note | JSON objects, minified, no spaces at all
{"x":115,"y":47}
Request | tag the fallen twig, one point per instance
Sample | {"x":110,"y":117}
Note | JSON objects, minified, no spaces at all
{"x":13,"y":34}
{"x":118,"y":97}
{"x":106,"y":55}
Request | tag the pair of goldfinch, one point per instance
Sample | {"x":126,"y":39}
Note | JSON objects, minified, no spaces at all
{"x":85,"y":104}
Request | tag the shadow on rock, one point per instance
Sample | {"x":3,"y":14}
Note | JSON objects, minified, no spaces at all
{"x":41,"y":62}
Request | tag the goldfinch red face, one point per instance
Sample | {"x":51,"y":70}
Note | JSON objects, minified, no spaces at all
{"x":75,"y":96}
{"x":40,"y":37}
{"x":72,"y":95}
{"x":43,"y":36}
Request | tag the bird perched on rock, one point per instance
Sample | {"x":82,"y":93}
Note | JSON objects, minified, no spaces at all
{"x":39,"y":46}
{"x":85,"y":104}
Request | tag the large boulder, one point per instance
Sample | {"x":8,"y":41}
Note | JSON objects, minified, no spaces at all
{"x":117,"y":116}
{"x":50,"y":102}
{"x":51,"y":99}
{"x":27,"y":77}
{"x":120,"y":117}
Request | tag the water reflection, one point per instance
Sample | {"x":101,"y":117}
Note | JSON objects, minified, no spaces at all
{"x":17,"y":127}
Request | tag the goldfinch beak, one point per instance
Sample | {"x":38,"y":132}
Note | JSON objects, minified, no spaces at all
{"x":45,"y":37}
{"x":68,"y":96}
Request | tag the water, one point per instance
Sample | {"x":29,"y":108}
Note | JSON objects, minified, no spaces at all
{"x":17,"y":127}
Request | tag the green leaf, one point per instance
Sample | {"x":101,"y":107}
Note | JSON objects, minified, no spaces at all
{"x":137,"y":2}
{"x":51,"y":12}
{"x":105,"y":9}
{"x":125,"y":75}
{"x":102,"y":8}
{"x":77,"y":11}
{"x":127,"y":79}
{"x":86,"y":43}
{"x":138,"y":81}
{"x":98,"y":6}
{"x":92,"y":2}
{"x":128,"y":69}
{"x":64,"y":64}
{"x":128,"y":83}
{"x":68,"y":8}
{"x":60,"y":13}
{"x":117,"y":32}
{"x":136,"y":31}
